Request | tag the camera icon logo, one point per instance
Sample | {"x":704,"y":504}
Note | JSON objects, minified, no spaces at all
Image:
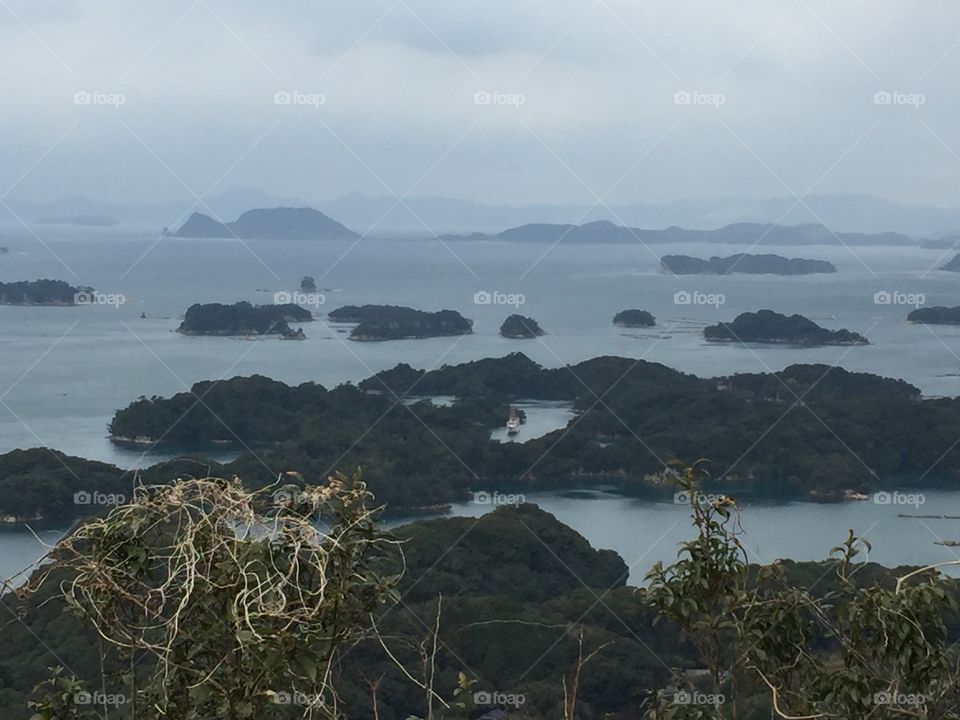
{"x":82,"y":98}
{"x":682,"y":97}
{"x":282,"y":298}
{"x":482,"y":298}
{"x":882,"y":498}
{"x":882,"y":98}
{"x":82,"y":498}
{"x":482,"y":697}
{"x":882,"y":298}
{"x":482,"y":498}
{"x":282,"y":698}
{"x":682,"y":297}
{"x":282,"y":97}
{"x":482,"y":97}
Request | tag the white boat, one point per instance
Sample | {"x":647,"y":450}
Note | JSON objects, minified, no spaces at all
{"x":513,"y":423}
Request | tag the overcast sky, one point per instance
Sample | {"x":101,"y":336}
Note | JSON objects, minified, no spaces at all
{"x":135,"y":101}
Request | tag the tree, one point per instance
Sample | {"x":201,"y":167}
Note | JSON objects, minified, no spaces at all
{"x":853,"y":652}
{"x":242,"y":606}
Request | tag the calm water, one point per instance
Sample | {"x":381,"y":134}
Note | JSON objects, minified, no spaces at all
{"x":643,"y":532}
{"x":64,"y":371}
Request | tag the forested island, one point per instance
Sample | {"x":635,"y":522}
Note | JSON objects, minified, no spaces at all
{"x":938,"y":315}
{"x":268,"y":224}
{"x":742,"y":423}
{"x":766,"y":326}
{"x":394,"y":322}
{"x":40,"y":292}
{"x":744,"y":263}
{"x":634,"y":319}
{"x":242,"y":318}
{"x":519,"y":327}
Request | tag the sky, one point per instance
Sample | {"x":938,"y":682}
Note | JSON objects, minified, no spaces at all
{"x":513,"y":102}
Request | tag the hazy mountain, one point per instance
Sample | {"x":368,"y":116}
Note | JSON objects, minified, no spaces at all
{"x":603,"y":231}
{"x":424,"y":216}
{"x":269,"y":223}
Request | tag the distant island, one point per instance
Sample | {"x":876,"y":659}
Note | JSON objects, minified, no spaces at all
{"x":269,"y":224}
{"x":634,"y":319}
{"x":520,"y":327}
{"x":953,"y":265}
{"x":936,"y":316}
{"x":393,"y":322}
{"x":604,"y":231}
{"x":766,"y":326}
{"x":242,"y":318}
{"x":40,"y":292}
{"x":744,"y":263}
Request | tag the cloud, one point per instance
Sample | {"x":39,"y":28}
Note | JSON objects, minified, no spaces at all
{"x":398,"y":82}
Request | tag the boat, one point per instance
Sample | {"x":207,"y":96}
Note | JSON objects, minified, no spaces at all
{"x":513,"y":423}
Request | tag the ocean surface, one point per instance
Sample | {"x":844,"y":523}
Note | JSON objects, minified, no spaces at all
{"x":64,"y":371}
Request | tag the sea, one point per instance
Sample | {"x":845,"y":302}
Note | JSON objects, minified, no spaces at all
{"x":64,"y":371}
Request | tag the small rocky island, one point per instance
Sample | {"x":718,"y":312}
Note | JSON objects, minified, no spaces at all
{"x":935,"y":316}
{"x":268,"y":224}
{"x":520,"y":327}
{"x":242,"y":318}
{"x":394,"y":322}
{"x":40,"y":292}
{"x":953,"y":265}
{"x":766,"y":326}
{"x":634,"y":319}
{"x":766,"y":264}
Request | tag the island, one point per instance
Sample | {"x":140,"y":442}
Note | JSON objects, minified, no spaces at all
{"x":519,"y":327}
{"x":394,"y":322}
{"x":953,"y":265}
{"x":938,"y":315}
{"x":41,"y":292}
{"x":268,"y":224}
{"x":634,"y":319}
{"x":744,"y":263}
{"x":604,"y":231}
{"x":308,"y":284}
{"x":242,"y":318}
{"x":767,"y":326}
